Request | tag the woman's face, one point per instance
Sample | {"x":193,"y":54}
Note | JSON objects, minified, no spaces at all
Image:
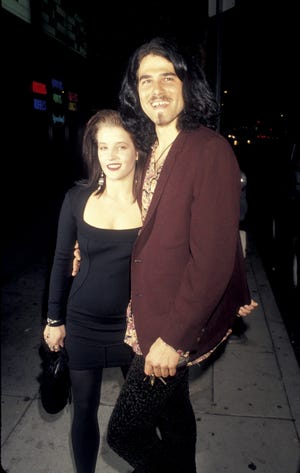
{"x":116,"y":152}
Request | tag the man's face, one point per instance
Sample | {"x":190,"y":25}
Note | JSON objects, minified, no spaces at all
{"x":160,"y":90}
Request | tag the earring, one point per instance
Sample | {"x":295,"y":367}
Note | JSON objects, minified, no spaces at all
{"x":100,"y":181}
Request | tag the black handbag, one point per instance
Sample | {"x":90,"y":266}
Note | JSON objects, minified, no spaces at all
{"x":55,"y":381}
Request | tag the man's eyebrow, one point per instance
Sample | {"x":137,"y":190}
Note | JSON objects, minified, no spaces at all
{"x":144,"y":76}
{"x":162,"y":74}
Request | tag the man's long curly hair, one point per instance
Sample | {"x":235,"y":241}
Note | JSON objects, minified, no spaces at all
{"x":200,"y":105}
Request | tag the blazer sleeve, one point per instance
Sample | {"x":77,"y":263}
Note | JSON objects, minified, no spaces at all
{"x":206,"y":284}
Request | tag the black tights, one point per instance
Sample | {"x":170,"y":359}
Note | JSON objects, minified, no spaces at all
{"x":85,"y":432}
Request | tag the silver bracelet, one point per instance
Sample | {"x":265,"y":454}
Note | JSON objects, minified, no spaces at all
{"x":54,"y":323}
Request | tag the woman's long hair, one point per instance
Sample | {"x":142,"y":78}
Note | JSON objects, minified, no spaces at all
{"x":90,"y":151}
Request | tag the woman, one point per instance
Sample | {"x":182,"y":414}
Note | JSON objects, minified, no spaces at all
{"x":87,"y":313}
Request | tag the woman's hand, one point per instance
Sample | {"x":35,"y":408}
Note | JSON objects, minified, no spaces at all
{"x":54,"y":337}
{"x":247,"y":309}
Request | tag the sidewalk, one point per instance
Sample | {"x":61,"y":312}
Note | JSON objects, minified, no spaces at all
{"x":247,"y":402}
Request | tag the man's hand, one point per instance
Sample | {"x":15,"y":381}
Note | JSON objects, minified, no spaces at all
{"x":247,"y":309}
{"x":76,"y":260}
{"x":161,"y":360}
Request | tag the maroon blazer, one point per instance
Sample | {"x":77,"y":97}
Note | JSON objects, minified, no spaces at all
{"x":188,"y":277}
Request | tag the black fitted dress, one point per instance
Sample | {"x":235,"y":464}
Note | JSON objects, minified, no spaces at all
{"x":94,"y":302}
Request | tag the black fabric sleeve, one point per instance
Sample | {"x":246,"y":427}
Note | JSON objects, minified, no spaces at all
{"x":61,"y":272}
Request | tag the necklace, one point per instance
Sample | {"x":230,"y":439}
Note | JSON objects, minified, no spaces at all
{"x":154,"y":148}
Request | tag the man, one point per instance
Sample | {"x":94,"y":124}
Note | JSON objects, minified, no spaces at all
{"x":188,"y":278}
{"x":187,"y":274}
